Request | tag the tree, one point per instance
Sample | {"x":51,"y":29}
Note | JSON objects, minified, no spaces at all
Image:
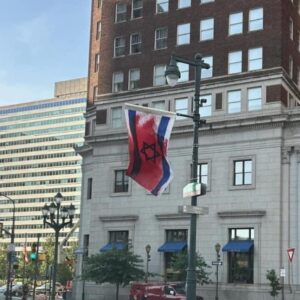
{"x":117,"y":267}
{"x":3,"y":262}
{"x":179,"y":264}
{"x":274,"y":282}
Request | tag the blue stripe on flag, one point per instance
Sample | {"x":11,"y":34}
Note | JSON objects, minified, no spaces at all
{"x":163,"y":125}
{"x":137,"y":160}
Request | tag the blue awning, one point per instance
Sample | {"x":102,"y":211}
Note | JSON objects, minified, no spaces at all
{"x":116,"y":246}
{"x":238,"y":246}
{"x":172,"y":247}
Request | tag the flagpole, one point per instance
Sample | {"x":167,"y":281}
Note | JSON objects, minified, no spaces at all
{"x":24,"y":261}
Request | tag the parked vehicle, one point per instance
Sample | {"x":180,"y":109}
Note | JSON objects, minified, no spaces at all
{"x":157,"y":291}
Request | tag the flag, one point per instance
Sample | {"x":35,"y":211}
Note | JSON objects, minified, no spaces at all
{"x":149,"y":131}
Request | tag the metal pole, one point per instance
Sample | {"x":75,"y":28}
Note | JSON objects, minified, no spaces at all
{"x":82,"y":271}
{"x":10,"y":253}
{"x":56,"y":228}
{"x":217,"y":283}
{"x":191,"y":271}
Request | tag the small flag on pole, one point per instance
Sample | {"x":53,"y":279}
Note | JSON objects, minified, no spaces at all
{"x":149,"y":131}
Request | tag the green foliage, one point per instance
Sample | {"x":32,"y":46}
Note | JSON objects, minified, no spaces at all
{"x":64,"y":274}
{"x":117,"y":267}
{"x":179,"y":264}
{"x":274,"y":282}
{"x":3,"y":260}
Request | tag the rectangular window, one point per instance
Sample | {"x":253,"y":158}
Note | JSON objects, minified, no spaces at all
{"x":134,"y":79}
{"x":202,"y":171}
{"x":162,"y":6}
{"x":183,"y":34}
{"x":207,"y":73}
{"x":234,"y":62}
{"x":118,"y":236}
{"x":255,"y":59}
{"x":121,"y":182}
{"x":137,"y":8}
{"x":234,"y":101}
{"x":240,"y":264}
{"x":182,"y":107}
{"x":207,"y":29}
{"x":86,"y":243}
{"x":98,"y":34}
{"x":119,"y":46}
{"x":254,"y":98}
{"x":235,"y":23}
{"x":135,"y":43}
{"x":256,"y":19}
{"x":291,"y":28}
{"x":89,"y":188}
{"x":121,"y":12}
{"x":184,"y":3}
{"x":95,"y":92}
{"x":206,"y":108}
{"x":161,"y":36}
{"x":97,"y":62}
{"x":159,"y":105}
{"x":291,"y":65}
{"x":159,"y":75}
{"x":242,"y":172}
{"x":118,"y":82}
{"x":206,"y":1}
{"x":101,"y":116}
{"x":184,"y":71}
{"x":116,"y":117}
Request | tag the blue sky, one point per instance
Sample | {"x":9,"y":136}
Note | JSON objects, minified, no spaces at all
{"x":42,"y":41}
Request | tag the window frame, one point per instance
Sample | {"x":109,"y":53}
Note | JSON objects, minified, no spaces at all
{"x":254,"y":60}
{"x":231,"y":161}
{"x":138,"y":9}
{"x":158,"y":76}
{"x":238,"y":62}
{"x":181,"y":4}
{"x":89,"y":191}
{"x":136,"y":86}
{"x":116,"y":48}
{"x":183,"y":110}
{"x":123,"y":13}
{"x":251,"y":100}
{"x":158,"y":2}
{"x":206,"y":106}
{"x":184,"y":34}
{"x":208,"y":73}
{"x":258,"y":20}
{"x":159,"y":39}
{"x":125,"y":182}
{"x":137,"y":44}
{"x":114,"y":90}
{"x":236,"y":24}
{"x":233,"y":102}
{"x":209,"y":31}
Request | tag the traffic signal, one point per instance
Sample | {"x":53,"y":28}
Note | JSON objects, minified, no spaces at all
{"x":33,"y":254}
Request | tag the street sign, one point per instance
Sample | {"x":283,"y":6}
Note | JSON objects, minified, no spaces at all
{"x":194,"y":189}
{"x":291,"y":252}
{"x":217,"y":263}
{"x":190,"y":209}
{"x":282,"y":272}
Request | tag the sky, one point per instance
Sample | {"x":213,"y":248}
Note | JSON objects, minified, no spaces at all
{"x":42,"y":42}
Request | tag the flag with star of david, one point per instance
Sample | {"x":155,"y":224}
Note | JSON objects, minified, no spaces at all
{"x":149,"y":132}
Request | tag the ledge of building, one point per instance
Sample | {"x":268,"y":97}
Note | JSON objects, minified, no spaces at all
{"x":241,"y":214}
{"x":164,"y":217}
{"x":121,"y":218}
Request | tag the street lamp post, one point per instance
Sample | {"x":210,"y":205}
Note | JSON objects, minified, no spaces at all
{"x":172,"y":75}
{"x":217,"y":248}
{"x":56,"y":212}
{"x":148,"y":249}
{"x":11,"y":250}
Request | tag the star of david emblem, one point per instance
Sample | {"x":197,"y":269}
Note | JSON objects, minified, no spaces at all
{"x":149,"y":150}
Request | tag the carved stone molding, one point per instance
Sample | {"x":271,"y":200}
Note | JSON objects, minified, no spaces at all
{"x":121,"y":218}
{"x":242,"y":214}
{"x":167,"y":217}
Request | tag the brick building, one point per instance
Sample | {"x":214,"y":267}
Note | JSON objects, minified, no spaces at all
{"x":249,"y":147}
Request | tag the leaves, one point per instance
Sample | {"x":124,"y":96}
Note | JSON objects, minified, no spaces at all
{"x":274,"y":282}
{"x":179,"y":264}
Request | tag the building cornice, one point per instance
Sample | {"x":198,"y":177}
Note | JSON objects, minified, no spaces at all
{"x":167,"y":217}
{"x":119,"y":218}
{"x":242,"y":214}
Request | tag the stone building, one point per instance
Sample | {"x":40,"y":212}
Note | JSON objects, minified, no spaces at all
{"x":248,"y":148}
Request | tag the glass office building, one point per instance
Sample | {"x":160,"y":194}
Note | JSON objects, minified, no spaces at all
{"x":38,"y":159}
